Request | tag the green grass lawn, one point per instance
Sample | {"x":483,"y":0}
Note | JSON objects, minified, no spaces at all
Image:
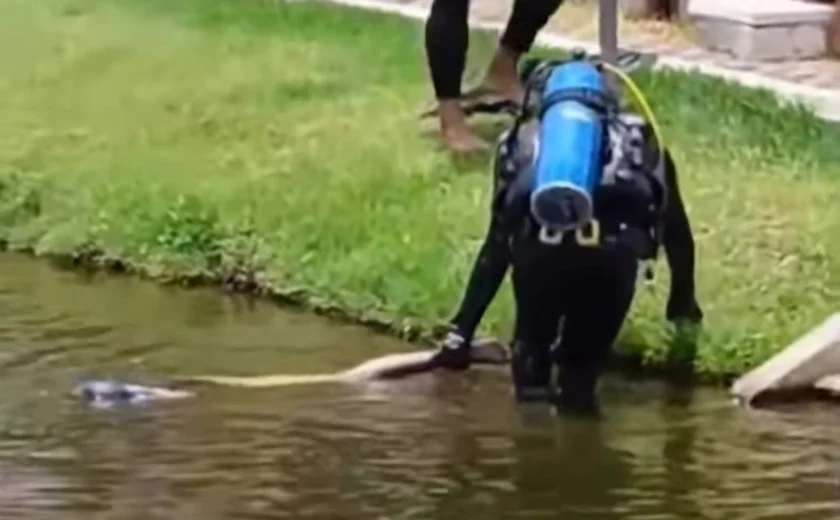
{"x":208,"y":137}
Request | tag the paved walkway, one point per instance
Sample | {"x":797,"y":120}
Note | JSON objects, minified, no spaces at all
{"x":814,"y":81}
{"x":578,"y":20}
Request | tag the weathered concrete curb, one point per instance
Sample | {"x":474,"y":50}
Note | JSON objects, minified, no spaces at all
{"x":762,"y":30}
{"x":829,"y":384}
{"x":805,"y":364}
{"x":824,"y":102}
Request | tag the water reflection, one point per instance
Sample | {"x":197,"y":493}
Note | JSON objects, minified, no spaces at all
{"x":436,"y":446}
{"x":678,"y":454}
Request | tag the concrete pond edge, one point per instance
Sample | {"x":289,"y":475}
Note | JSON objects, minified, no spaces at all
{"x":809,"y":365}
{"x":411,"y":330}
{"x":809,"y":368}
{"x":824,"y":102}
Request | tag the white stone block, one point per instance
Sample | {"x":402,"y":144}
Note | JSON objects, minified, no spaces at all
{"x":800,"y":366}
{"x":762,"y":30}
{"x":808,"y":40}
{"x":762,"y":12}
{"x":830,"y":384}
{"x":769,"y":43}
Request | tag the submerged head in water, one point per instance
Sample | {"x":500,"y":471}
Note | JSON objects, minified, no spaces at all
{"x":112,"y":393}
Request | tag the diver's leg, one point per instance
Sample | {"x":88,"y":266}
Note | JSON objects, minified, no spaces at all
{"x":535,"y":330}
{"x":526,"y":20}
{"x":447,"y":40}
{"x":678,"y":241}
{"x":602,"y":295}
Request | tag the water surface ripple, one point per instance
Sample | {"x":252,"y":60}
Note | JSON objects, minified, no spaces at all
{"x":434,"y":447}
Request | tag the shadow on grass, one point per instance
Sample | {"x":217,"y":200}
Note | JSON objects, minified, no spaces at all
{"x":489,"y":130}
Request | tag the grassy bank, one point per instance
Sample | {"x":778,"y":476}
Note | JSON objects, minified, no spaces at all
{"x":277,"y":145}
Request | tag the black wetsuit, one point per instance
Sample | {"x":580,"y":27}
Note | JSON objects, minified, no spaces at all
{"x":588,"y":290}
{"x":447,"y":38}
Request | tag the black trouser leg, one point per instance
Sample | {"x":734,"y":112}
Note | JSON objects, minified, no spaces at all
{"x":447,"y":40}
{"x":526,"y":20}
{"x":601,"y":298}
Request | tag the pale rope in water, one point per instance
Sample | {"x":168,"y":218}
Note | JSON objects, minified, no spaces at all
{"x":391,"y":365}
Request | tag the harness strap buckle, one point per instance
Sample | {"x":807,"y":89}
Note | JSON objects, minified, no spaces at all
{"x":551,"y":237}
{"x":593,"y":238}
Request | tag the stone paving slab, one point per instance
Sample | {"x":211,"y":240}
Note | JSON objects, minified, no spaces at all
{"x":765,"y":30}
{"x":762,"y":12}
{"x":578,"y":20}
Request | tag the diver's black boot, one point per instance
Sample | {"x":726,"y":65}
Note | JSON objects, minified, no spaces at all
{"x":531,"y":375}
{"x":577,"y":394}
{"x":454,"y":352}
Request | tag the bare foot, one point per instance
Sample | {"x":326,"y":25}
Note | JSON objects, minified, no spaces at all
{"x":455,"y":132}
{"x":502,"y":77}
{"x":463,"y":141}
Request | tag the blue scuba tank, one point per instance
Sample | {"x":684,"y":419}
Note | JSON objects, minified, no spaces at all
{"x":568,"y":164}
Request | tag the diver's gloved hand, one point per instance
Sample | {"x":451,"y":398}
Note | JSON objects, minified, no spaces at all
{"x":682,"y":307}
{"x":454,"y":352}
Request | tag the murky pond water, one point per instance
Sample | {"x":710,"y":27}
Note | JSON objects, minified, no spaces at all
{"x":437,"y":446}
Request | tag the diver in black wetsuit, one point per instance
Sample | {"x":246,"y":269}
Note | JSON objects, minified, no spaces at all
{"x":581,"y":294}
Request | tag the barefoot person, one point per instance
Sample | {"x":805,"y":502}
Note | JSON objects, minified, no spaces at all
{"x":447,"y":39}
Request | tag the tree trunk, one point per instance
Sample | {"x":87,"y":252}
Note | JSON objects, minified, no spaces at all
{"x":832,"y":33}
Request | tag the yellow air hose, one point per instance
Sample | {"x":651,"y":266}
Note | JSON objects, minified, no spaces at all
{"x":640,"y":98}
{"x":648,"y":113}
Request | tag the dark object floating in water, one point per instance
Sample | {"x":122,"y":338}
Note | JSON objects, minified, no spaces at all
{"x":107,"y":393}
